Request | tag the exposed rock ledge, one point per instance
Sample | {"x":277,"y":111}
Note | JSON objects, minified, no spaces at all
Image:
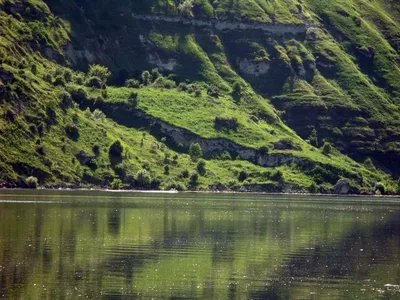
{"x":226,"y":25}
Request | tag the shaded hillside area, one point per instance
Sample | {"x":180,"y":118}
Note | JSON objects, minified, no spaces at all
{"x":255,"y":95}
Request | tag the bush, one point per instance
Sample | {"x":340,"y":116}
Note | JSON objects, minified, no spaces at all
{"x":99,"y":115}
{"x":143,"y":178}
{"x":60,"y":81}
{"x":32,"y":182}
{"x":132,"y":83}
{"x":313,"y":138}
{"x":243,"y":175}
{"x":213,"y":91}
{"x":34,"y":69}
{"x":166,"y":170}
{"x":162,"y":82}
{"x":72,"y":131}
{"x":221,"y":123}
{"x":66,"y":99}
{"x":236,"y":90}
{"x":116,"y":184}
{"x":133,"y":99}
{"x":201,"y":167}
{"x":68,"y":75}
{"x":195,"y":151}
{"x":94,"y":82}
{"x":48,"y":78}
{"x":185,"y":174}
{"x":96,"y":149}
{"x":79,"y":79}
{"x":146,"y":77}
{"x":194,"y":179}
{"x":155,"y":73}
{"x":33,"y":128}
{"x":183,"y":87}
{"x":369,"y":164}
{"x":398,"y":187}
{"x":313,"y":188}
{"x":327,"y":148}
{"x":379,"y":186}
{"x":116,"y":149}
{"x":101,"y":72}
{"x":277,"y":176}
{"x":79,"y":94}
{"x":40,"y":150}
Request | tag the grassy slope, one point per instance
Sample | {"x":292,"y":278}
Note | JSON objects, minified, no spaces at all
{"x":259,"y":124}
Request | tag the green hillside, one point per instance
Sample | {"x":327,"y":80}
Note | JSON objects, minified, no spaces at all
{"x":245,"y":95}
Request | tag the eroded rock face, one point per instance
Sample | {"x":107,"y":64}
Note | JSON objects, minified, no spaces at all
{"x":342,"y":187}
{"x":252,"y":68}
{"x":162,"y":64}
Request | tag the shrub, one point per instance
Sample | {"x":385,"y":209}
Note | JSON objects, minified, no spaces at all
{"x":369,"y":164}
{"x":66,"y":99}
{"x":313,"y":188}
{"x":79,"y":79}
{"x":34,"y":69}
{"x":133,"y":99}
{"x":166,"y":170}
{"x":313,"y":138}
{"x":243,"y":175}
{"x":398,"y":187}
{"x":197,"y":93}
{"x":185,"y":8}
{"x":201,"y":167}
{"x":99,"y":115}
{"x":60,"y":81}
{"x":155,"y":73}
{"x":96,"y":149}
{"x":146,"y":77}
{"x":94,"y":82}
{"x":33,"y":128}
{"x":263,"y":150}
{"x":48,"y":78}
{"x":213,"y":91}
{"x":221,"y":123}
{"x":116,"y":184}
{"x":236,"y":90}
{"x":379,"y":186}
{"x":195,"y":151}
{"x":116,"y":149}
{"x":132,"y":83}
{"x":72,"y":131}
{"x":183,"y":87}
{"x":143,"y":178}
{"x":277,"y":176}
{"x":68,"y":75}
{"x":79,"y":94}
{"x":162,"y":82}
{"x":40,"y":150}
{"x":32,"y":182}
{"x":101,"y":72}
{"x":194,"y":179}
{"x":225,"y":156}
{"x":185,"y":174}
{"x":327,"y":148}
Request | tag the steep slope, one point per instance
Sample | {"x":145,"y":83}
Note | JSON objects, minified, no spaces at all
{"x":249,"y":82}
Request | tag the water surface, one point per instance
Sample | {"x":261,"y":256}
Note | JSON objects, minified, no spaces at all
{"x":96,"y":245}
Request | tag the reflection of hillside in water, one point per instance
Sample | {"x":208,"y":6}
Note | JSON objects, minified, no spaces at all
{"x":262,"y":250}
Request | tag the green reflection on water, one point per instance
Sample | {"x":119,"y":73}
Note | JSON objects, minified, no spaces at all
{"x":66,"y":245}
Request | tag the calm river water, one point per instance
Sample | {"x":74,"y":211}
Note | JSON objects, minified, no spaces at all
{"x":98,"y":245}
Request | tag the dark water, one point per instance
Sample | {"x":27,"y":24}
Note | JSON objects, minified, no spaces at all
{"x":77,"y":245}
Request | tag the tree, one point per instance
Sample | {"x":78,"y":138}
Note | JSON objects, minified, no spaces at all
{"x":32,"y":182}
{"x":185,"y":8}
{"x":143,"y":178}
{"x":116,"y":184}
{"x":99,"y":71}
{"x":201,"y":167}
{"x":398,"y":187}
{"x":313,"y":138}
{"x":236,"y":90}
{"x":116,"y":149}
{"x":195,"y":151}
{"x":146,"y":77}
{"x":327,"y":148}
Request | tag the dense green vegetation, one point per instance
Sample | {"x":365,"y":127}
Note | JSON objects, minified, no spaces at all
{"x":153,"y":105}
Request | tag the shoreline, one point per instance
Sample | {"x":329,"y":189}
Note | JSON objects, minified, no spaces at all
{"x":171,"y":192}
